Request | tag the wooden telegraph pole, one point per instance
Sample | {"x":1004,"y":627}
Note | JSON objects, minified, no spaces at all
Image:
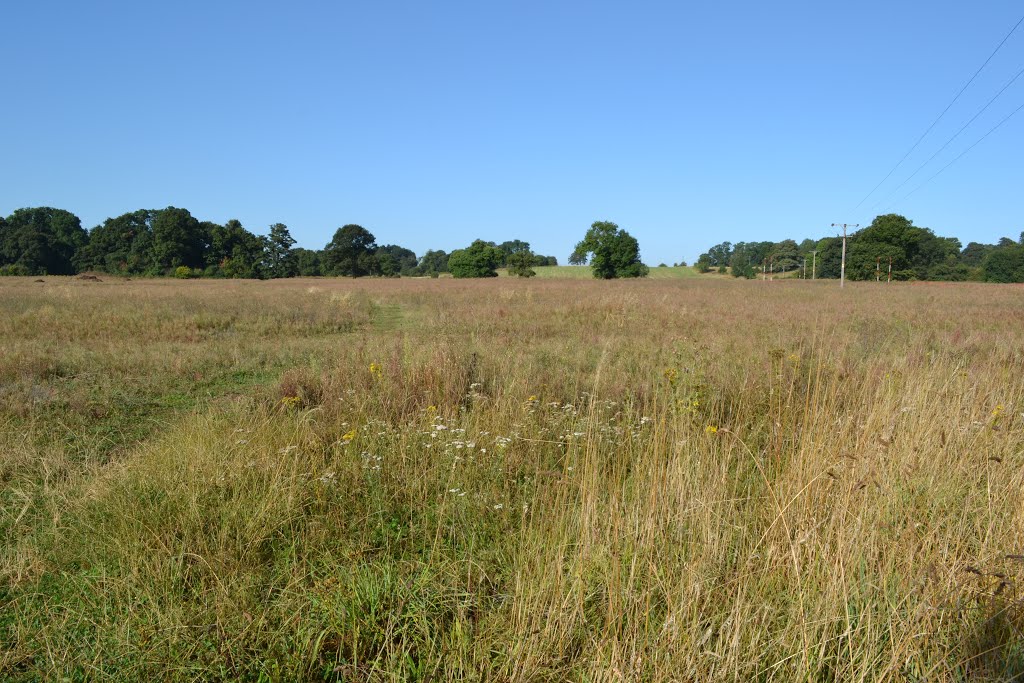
{"x":814,"y":262}
{"x":842,"y":267}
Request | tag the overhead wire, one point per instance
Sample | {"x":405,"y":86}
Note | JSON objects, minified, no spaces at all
{"x":959,"y":156}
{"x":939,"y":117}
{"x":946,"y":144}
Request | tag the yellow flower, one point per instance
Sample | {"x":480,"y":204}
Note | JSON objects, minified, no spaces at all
{"x":711,"y":429}
{"x":431,"y":409}
{"x":290,"y":401}
{"x":376,"y":370}
{"x":671,"y":374}
{"x":349,"y":435}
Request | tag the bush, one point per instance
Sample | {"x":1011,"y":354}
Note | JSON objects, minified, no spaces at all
{"x":183,"y":272}
{"x":14,"y":269}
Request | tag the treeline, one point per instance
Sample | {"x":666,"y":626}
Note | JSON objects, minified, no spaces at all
{"x":171,"y":241}
{"x":915,"y":254}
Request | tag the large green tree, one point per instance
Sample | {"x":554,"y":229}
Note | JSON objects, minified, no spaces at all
{"x":122,"y":245}
{"x":178,"y":239}
{"x":280,"y":259}
{"x":435,"y":261}
{"x":350,"y":252}
{"x":43,"y":240}
{"x":235,"y":252}
{"x":396,"y":260}
{"x":612,"y":252}
{"x":479,"y":259}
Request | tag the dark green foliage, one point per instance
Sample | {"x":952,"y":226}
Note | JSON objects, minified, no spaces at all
{"x":309,"y":262}
{"x":280,"y":259}
{"x":235,"y":252}
{"x":178,"y":239}
{"x":740,"y":263}
{"x":1005,"y":263}
{"x":513,"y":247}
{"x":351,"y":253}
{"x":433,"y":262}
{"x":122,"y":245}
{"x":613,"y":252}
{"x":43,"y":240}
{"x":974,"y":254}
{"x":830,"y":254}
{"x":893,"y":236}
{"x":785,"y":255}
{"x":479,"y":259}
{"x":520,"y":263}
{"x":395,"y":260}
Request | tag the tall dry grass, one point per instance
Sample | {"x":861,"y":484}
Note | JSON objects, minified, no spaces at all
{"x":510,"y":480}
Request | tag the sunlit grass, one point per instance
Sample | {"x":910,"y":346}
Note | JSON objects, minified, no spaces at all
{"x":695,"y":479}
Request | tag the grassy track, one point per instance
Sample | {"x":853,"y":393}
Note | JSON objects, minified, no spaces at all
{"x":553,"y":479}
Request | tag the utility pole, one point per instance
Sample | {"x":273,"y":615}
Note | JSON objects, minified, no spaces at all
{"x":814,"y":262}
{"x":842,"y":267}
{"x":803,"y":276}
{"x":764,"y":269}
{"x":878,"y":272}
{"x":889,"y":276}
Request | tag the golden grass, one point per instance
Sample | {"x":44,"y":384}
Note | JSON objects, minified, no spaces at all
{"x":511,"y":480}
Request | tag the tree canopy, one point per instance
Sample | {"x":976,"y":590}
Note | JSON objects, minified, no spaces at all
{"x":479,"y":259}
{"x":612,"y":252}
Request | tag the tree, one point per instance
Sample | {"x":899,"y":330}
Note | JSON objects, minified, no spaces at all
{"x":351,"y":252}
{"x":477,"y":260}
{"x":178,"y":239}
{"x":122,"y":245}
{"x":280,"y":259}
{"x":235,"y":252}
{"x":513,"y":247}
{"x":43,"y":240}
{"x":308,"y":262}
{"x":402,"y":261}
{"x":433,"y":262}
{"x":612,"y":251}
{"x":740,"y":264}
{"x":578,"y":259}
{"x":520,"y":263}
{"x":785,"y":255}
{"x":1005,"y":263}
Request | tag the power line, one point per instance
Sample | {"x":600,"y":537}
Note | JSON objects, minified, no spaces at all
{"x":976,"y":143}
{"x":939,"y":117}
{"x":981,"y":111}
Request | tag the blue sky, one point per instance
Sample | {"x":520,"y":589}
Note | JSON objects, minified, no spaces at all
{"x":434,"y":123}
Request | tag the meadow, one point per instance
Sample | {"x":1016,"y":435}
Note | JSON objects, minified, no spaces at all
{"x":671,"y":479}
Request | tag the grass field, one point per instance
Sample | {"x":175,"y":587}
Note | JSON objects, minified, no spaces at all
{"x":511,"y":480}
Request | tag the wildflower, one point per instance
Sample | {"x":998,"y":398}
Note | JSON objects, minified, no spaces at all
{"x":711,"y":429}
{"x":376,"y":370}
{"x":349,"y":435}
{"x":498,"y":506}
{"x":291,"y":401}
{"x":998,"y":411}
{"x":671,"y":374}
{"x":644,"y":420}
{"x":431,"y":409}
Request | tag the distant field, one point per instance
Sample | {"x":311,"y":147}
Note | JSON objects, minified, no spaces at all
{"x":585,"y":272}
{"x":692,"y":479}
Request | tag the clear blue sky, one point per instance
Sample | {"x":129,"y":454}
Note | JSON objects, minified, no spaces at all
{"x":434,"y":123}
